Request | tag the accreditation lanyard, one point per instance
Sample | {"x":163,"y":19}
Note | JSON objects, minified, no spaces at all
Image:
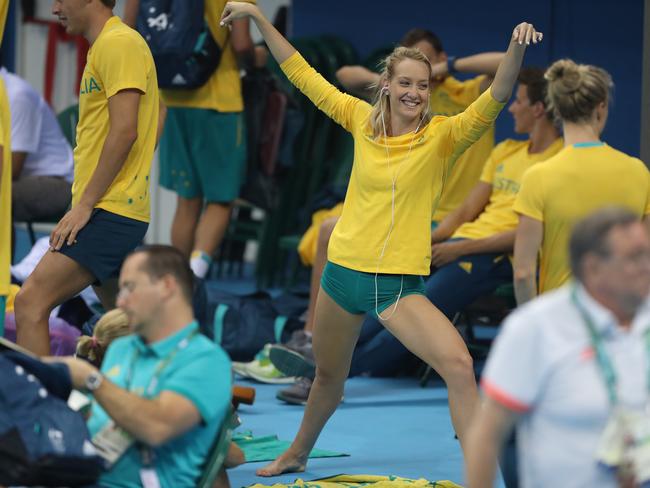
{"x":602,"y":358}
{"x":146,"y":453}
{"x":153,"y":382}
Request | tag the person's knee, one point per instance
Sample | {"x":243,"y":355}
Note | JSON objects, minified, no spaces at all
{"x":191,"y":206}
{"x":29,"y":305}
{"x":331,"y":374}
{"x":458,"y":368}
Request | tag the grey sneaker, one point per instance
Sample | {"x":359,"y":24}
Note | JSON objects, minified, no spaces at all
{"x":291,"y":362}
{"x":299,"y":339}
{"x":296,"y":394}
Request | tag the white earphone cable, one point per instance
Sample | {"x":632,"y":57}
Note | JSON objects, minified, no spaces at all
{"x":392,"y":211}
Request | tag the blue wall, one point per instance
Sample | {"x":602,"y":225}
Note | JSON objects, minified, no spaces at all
{"x":606,"y":33}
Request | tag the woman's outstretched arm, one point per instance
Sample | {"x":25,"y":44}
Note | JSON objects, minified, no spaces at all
{"x":506,"y":75}
{"x":280,"y":48}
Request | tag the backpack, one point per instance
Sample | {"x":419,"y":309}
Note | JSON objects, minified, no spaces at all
{"x":243,"y":324}
{"x":42,"y":441}
{"x":182,"y":46}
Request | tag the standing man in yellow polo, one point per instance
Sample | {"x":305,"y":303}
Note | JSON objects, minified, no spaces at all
{"x":116,"y":136}
{"x":203,"y":145}
{"x":5,"y":186}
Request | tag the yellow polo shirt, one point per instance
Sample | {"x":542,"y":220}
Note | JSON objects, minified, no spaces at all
{"x":360,"y":233}
{"x":504,"y":170}
{"x":571,"y":185}
{"x":5,"y":191}
{"x":451,"y":97}
{"x":222,"y":91}
{"x":118,"y":60}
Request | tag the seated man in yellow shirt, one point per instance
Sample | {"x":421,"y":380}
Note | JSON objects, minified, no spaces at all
{"x":116,"y":135}
{"x":470,"y":248}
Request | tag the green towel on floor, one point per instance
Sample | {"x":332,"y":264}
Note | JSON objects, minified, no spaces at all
{"x":269,"y":447}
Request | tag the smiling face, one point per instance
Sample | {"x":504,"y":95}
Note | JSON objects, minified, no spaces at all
{"x":409,"y":89}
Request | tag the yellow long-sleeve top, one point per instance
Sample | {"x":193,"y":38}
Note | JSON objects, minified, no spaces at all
{"x":359,"y":235}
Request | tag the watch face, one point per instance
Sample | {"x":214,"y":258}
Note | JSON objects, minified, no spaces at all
{"x":94,"y":380}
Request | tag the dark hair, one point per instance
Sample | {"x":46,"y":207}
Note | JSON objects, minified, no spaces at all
{"x":416,"y":35}
{"x":536,"y":86}
{"x":167,"y":260}
{"x":108,"y":3}
{"x":590,"y":235}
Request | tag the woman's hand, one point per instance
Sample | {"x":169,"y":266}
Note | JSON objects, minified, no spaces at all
{"x":524,"y":33}
{"x":237,"y":10}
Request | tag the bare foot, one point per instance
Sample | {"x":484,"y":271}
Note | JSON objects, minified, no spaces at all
{"x":286,"y":463}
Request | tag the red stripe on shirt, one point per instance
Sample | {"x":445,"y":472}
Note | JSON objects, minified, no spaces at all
{"x":498,"y":395}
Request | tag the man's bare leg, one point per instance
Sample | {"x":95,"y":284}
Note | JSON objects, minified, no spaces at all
{"x":56,"y":279}
{"x":186,"y":219}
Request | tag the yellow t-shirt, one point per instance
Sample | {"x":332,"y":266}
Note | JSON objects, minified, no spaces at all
{"x":571,"y":185}
{"x":4,"y":8}
{"x":504,"y":170}
{"x":309,"y":240}
{"x":449,"y":98}
{"x":5,"y":191}
{"x":222,"y":91}
{"x":118,"y":60}
{"x":360,"y":233}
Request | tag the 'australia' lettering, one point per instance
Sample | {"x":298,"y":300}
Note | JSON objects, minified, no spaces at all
{"x":88,"y":85}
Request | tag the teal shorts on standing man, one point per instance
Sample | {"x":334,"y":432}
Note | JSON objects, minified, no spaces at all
{"x":203,"y":154}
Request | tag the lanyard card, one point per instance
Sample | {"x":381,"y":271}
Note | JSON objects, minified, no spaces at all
{"x":112,"y":442}
{"x":149,"y":478}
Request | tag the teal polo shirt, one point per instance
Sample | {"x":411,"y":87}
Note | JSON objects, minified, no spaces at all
{"x":200,"y":371}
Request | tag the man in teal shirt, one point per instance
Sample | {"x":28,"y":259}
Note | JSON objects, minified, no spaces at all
{"x":166,"y":388}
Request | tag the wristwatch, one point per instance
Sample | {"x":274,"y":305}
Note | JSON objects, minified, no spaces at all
{"x":451,"y":68}
{"x":94,"y":380}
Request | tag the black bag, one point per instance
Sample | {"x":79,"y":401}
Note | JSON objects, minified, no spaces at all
{"x":42,"y":441}
{"x":243,"y":324}
{"x":180,"y":40}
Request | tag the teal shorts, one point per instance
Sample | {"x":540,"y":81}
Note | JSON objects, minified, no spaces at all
{"x":203,"y":154}
{"x":354,"y":291}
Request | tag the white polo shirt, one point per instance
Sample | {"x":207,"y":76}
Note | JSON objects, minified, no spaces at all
{"x":542,"y":366}
{"x":36,"y":131}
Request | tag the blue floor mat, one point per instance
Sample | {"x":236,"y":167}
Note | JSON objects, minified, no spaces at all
{"x":388,"y":426}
